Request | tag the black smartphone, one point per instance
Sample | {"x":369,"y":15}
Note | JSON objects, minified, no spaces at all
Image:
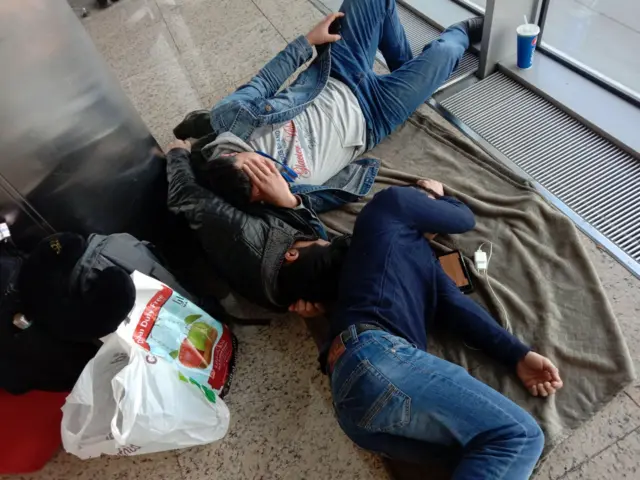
{"x":336,"y":26}
{"x":454,"y":266}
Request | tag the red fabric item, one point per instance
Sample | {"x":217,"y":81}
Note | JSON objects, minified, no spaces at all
{"x":30,"y":430}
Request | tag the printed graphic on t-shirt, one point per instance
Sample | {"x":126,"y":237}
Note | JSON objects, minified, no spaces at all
{"x":309,"y":136}
{"x":321,"y":140}
{"x":289,"y":149}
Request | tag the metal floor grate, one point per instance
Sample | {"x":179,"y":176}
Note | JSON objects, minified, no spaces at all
{"x":418,"y":31}
{"x":593,"y":177}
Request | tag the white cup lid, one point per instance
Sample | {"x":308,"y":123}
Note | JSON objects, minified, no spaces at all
{"x":528,"y":29}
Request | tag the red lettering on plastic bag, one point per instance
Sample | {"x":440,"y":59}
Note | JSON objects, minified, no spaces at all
{"x":221,"y":356}
{"x":150,"y":315}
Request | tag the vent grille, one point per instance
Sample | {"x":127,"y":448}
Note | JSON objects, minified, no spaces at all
{"x":419,"y":32}
{"x":599,"y":181}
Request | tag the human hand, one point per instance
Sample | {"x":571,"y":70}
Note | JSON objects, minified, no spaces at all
{"x":539,"y":375}
{"x":307,"y":309}
{"x":434,"y":185}
{"x":272,"y":187}
{"x":179,"y":144}
{"x":320,"y":33}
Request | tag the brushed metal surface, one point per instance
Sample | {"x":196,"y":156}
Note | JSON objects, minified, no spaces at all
{"x":74,"y":150}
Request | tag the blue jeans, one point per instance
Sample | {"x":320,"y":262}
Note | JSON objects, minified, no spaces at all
{"x":388,"y":100}
{"x":394,"y":399}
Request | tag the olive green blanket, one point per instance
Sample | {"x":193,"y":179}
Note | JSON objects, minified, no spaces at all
{"x":550,"y":294}
{"x":544,"y":287}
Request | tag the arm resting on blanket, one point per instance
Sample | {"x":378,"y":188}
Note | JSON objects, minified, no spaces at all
{"x":413,"y":207}
{"x":473,"y":323}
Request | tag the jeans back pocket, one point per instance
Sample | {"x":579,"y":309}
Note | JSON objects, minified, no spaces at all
{"x":366,"y":399}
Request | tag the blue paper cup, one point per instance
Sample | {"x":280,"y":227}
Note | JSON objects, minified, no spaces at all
{"x":527,"y":41}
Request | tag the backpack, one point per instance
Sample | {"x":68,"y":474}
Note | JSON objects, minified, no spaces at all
{"x":124,"y":251}
{"x":46,"y":355}
{"x":29,"y":358}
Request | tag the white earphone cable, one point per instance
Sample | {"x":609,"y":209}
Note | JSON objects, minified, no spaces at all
{"x":507,"y":324}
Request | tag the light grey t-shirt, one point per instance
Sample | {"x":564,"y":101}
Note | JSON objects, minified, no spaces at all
{"x":323,"y":139}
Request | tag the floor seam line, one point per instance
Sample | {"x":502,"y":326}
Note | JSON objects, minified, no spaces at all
{"x":591,"y":457}
{"x":164,"y":20}
{"x":269,"y":20}
{"x":180,"y":58}
{"x":632,"y":399}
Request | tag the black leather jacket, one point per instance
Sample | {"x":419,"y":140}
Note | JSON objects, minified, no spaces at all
{"x":245,"y":247}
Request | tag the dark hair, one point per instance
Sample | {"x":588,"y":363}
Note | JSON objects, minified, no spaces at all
{"x":226,"y":180}
{"x":315,"y":275}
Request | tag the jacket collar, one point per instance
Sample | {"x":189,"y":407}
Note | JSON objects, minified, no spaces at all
{"x":278,"y":242}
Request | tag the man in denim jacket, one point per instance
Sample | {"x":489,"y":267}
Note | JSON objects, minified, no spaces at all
{"x":313,"y":131}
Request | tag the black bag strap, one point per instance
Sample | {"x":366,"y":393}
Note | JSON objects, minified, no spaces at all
{"x":132,"y":254}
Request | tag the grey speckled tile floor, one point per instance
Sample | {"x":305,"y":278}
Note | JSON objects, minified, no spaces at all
{"x":173,"y":56}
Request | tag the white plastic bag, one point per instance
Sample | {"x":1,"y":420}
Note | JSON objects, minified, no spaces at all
{"x":169,"y":326}
{"x":128,"y":402}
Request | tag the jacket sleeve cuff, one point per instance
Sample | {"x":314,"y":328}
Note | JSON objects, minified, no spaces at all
{"x":303,"y":47}
{"x":178,"y":151}
{"x":516,"y":353}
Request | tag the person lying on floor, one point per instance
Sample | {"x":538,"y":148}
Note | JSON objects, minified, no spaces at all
{"x":390,"y":395}
{"x":337,"y":108}
{"x":270,"y":255}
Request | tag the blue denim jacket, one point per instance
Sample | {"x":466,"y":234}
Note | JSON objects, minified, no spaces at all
{"x":258,"y":103}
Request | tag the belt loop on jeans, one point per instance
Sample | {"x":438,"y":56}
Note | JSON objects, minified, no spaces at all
{"x":339,"y":344}
{"x":354,"y":333}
